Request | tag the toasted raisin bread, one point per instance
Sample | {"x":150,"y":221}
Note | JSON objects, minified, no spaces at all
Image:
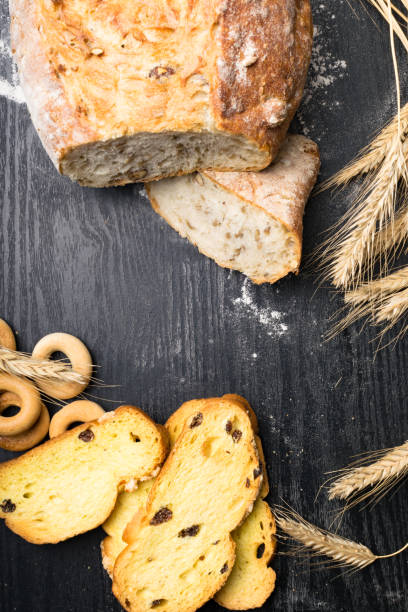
{"x":127,"y":505}
{"x":130,"y":502}
{"x":180,"y":552}
{"x":246,"y":536}
{"x":251,"y":581}
{"x":69,"y":485}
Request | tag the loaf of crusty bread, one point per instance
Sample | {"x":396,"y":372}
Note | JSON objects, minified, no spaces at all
{"x":180,"y":552}
{"x":246,"y":221}
{"x":69,"y":484}
{"x":144,"y":89}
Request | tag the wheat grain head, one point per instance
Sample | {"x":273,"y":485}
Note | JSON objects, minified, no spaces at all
{"x":22,"y":364}
{"x":359,"y":482}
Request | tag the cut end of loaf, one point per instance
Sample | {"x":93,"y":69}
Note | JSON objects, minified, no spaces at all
{"x":149,"y":157}
{"x":233,"y":232}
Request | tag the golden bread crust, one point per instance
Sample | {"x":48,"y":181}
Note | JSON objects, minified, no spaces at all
{"x":95,"y":72}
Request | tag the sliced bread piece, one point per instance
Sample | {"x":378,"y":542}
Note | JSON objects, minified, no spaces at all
{"x":127,"y":505}
{"x":252,"y":580}
{"x":179,"y":551}
{"x":246,"y":221}
{"x":250,"y":535}
{"x":130,"y":502}
{"x":69,"y":485}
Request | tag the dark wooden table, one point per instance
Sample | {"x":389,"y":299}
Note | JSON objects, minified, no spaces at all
{"x":165,"y":325}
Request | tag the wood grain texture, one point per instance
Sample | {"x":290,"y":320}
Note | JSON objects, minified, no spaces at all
{"x":166,"y":325}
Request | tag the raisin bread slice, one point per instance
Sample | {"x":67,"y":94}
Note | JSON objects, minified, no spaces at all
{"x":251,"y":581}
{"x":246,"y":221}
{"x":69,"y":485}
{"x":127,"y":505}
{"x":130,"y":502}
{"x":246,"y":537}
{"x":180,"y":551}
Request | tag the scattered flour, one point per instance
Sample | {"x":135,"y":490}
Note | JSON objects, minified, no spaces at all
{"x":9,"y":87}
{"x":272,"y":319}
{"x":325,"y":69}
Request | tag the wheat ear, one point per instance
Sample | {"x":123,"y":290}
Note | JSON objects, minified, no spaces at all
{"x":371,"y":156}
{"x":378,"y":289}
{"x":392,"y":309}
{"x":385,"y":8}
{"x":319,"y":542}
{"x":354,"y":243}
{"x":375,"y":479}
{"x":21,"y":364}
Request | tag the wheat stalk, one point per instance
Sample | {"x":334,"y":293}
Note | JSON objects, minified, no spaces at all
{"x":355,"y":251}
{"x":21,"y":364}
{"x":391,"y":237}
{"x":376,"y":227}
{"x":392,"y":309}
{"x":319,"y":542}
{"x":377,"y":290}
{"x":375,"y":479}
{"x":371,"y":156}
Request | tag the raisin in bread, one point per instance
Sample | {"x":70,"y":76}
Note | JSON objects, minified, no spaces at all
{"x":246,"y":221}
{"x":144,"y":89}
{"x":69,"y":484}
{"x":180,"y":551}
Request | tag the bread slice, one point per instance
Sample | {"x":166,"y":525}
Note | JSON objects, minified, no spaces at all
{"x":245,"y":221}
{"x":131,"y":502}
{"x":127,"y":506}
{"x":251,"y":581}
{"x":179,"y":549}
{"x":69,"y":485}
{"x":139,"y":90}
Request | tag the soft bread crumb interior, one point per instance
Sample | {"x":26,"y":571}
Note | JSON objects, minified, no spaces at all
{"x":236,"y":234}
{"x":148,"y":157}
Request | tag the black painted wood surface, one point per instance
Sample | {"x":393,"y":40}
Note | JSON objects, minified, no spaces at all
{"x":165,"y":325}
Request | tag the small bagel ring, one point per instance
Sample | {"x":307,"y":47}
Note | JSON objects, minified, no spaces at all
{"x":30,"y":409}
{"x":32,"y":436}
{"x":7,"y":338}
{"x":81,"y":410}
{"x":79,"y":357}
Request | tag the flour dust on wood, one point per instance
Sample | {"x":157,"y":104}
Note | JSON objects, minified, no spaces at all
{"x":271,"y":319}
{"x":9,"y":83}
